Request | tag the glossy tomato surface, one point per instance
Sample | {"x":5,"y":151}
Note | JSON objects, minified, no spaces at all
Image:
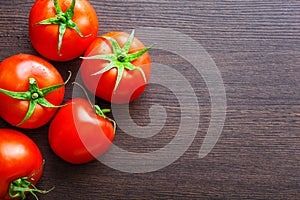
{"x":15,"y":72}
{"x":132,"y":83}
{"x":19,"y":158}
{"x":77,"y":134}
{"x":44,"y":38}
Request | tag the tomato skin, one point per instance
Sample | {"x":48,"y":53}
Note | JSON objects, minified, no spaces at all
{"x":132,"y":83}
{"x":19,"y":157}
{"x":44,"y":38}
{"x":77,"y":134}
{"x":14,"y":74}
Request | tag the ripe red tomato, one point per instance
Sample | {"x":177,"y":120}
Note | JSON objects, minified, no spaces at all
{"x":116,"y":74}
{"x":30,"y":90}
{"x":77,"y":134}
{"x":61,"y":30}
{"x":21,"y":164}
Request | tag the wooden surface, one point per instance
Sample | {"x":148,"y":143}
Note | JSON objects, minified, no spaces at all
{"x":255,"y":45}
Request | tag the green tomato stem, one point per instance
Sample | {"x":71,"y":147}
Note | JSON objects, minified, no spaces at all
{"x":121,"y":57}
{"x":100,"y":112}
{"x":35,"y":96}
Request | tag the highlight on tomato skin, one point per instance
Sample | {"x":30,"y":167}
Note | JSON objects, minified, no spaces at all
{"x":31,"y":90}
{"x":21,"y":165}
{"x":88,"y":134}
{"x":116,"y":67}
{"x":64,"y":32}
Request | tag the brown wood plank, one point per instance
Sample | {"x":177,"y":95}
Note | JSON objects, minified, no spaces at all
{"x":255,"y":45}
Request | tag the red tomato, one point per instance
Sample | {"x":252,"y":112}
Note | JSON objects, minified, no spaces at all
{"x":116,"y":74}
{"x":77,"y":134}
{"x":66,"y":34}
{"x":30,"y":90}
{"x":21,"y":163}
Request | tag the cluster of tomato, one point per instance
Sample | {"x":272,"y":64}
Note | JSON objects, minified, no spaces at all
{"x":115,"y":67}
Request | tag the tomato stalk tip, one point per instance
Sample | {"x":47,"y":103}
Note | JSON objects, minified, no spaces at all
{"x":35,"y":95}
{"x":122,"y":56}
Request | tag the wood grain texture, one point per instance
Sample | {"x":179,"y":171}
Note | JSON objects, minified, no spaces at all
{"x":254,"y":43}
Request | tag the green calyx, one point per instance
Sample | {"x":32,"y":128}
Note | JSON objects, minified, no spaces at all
{"x":63,"y":20}
{"x":101,"y":112}
{"x":34,"y":95}
{"x":120,"y":59}
{"x":19,"y":187}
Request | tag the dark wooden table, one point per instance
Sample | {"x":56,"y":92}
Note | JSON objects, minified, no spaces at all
{"x":255,"y":46}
